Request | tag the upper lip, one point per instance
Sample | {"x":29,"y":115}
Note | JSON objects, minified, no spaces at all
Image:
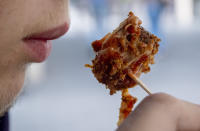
{"x":49,"y":34}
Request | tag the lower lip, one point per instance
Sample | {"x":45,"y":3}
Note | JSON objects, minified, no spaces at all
{"x":37,"y":50}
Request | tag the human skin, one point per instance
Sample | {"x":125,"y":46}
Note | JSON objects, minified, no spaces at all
{"x":162,"y":112}
{"x":18,"y":19}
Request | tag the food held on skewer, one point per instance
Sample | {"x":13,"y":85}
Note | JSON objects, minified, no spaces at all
{"x":128,"y":49}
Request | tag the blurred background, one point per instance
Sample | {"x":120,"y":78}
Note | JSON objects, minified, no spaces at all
{"x":62,"y":95}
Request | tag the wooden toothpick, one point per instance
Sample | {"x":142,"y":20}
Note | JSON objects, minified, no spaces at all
{"x":139,"y":82}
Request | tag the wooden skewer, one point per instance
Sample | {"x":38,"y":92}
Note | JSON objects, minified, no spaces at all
{"x":139,"y":82}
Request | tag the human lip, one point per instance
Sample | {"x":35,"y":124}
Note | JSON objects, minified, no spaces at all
{"x":38,"y":46}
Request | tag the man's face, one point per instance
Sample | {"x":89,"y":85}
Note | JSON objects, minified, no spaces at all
{"x":25,"y":28}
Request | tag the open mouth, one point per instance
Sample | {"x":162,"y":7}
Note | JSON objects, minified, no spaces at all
{"x":38,"y":46}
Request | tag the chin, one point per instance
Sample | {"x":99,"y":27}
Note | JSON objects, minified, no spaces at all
{"x":10,"y":88}
{"x":5,"y":105}
{"x":5,"y":108}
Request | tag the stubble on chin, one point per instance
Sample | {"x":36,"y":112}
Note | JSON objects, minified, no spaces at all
{"x":11,"y":84}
